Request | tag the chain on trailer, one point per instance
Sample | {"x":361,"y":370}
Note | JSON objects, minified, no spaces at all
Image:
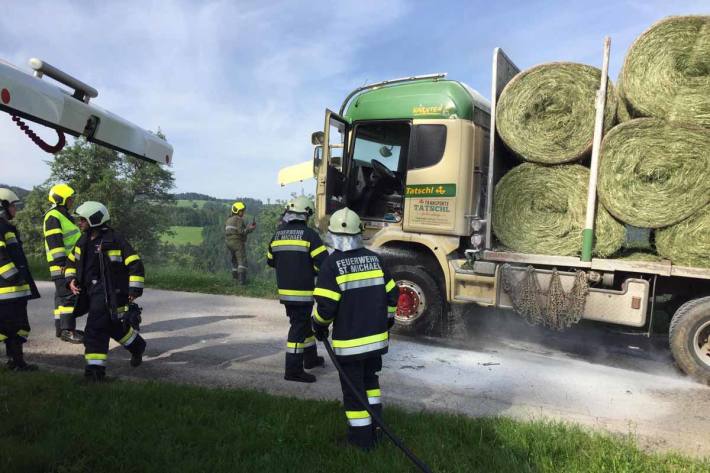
{"x":553,"y":307}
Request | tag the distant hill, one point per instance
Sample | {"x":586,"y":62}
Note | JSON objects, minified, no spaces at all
{"x":21,"y":193}
{"x":194,"y":196}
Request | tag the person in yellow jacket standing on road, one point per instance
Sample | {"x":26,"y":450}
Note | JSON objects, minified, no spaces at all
{"x":60,"y":236}
{"x":235,"y":235}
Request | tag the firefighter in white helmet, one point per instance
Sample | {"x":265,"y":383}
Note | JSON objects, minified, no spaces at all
{"x":60,"y":236}
{"x":235,"y":236}
{"x":108,"y":275}
{"x":16,"y":286}
{"x":356,"y":294}
{"x":297,"y":252}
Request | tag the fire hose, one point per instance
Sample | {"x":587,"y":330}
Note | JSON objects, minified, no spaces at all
{"x":378,"y":420}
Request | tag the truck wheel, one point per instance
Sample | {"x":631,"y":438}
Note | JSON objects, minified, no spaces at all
{"x":420,"y":306}
{"x":689,"y":336}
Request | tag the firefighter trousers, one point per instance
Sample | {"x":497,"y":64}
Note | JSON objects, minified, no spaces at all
{"x":100,"y":327}
{"x":301,"y":343}
{"x":363,"y":375}
{"x":64,"y":302}
{"x":14,"y":327}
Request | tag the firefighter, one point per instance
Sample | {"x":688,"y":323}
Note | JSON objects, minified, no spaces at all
{"x":60,"y":236}
{"x":297,"y":252}
{"x":356,"y":294}
{"x":235,"y":235}
{"x":107,"y":274}
{"x":16,"y":286}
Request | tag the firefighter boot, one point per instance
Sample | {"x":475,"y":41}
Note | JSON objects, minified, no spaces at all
{"x":17,"y":359}
{"x":94,"y":373}
{"x":68,"y":332}
{"x":312,"y":360}
{"x":57,"y":328}
{"x":137,"y":349}
{"x":242,"y":278}
{"x":294,"y":369}
{"x":361,"y":437}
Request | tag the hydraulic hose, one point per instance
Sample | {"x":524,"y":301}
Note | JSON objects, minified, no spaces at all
{"x":396,"y":440}
{"x":46,"y":147}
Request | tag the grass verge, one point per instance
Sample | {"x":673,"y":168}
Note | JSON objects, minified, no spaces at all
{"x":178,"y":278}
{"x":183,"y":279}
{"x":56,"y":423}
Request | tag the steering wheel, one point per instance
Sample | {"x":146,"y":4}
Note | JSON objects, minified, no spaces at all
{"x":382,"y":170}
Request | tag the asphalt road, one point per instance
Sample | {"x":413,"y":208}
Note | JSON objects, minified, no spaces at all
{"x":496,"y":365}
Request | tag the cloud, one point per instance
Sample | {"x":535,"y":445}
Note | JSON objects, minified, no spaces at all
{"x":239,"y":86}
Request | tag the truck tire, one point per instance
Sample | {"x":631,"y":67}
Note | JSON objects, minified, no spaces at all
{"x":689,"y":337}
{"x":421,"y":306}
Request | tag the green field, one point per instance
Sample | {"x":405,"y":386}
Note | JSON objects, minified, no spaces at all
{"x":57,"y":423}
{"x":184,"y":236}
{"x":197,"y":204}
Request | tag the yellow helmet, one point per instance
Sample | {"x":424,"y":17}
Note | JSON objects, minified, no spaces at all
{"x":60,"y":193}
{"x":237,"y":206}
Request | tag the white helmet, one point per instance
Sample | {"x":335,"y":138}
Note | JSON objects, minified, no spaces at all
{"x":300,"y":205}
{"x":95,"y":213}
{"x":345,"y":222}
{"x":8,"y":197}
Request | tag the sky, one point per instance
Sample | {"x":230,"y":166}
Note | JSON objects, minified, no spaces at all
{"x":239,"y":86}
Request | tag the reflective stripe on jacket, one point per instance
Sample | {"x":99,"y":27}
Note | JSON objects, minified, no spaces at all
{"x":296,"y":252}
{"x":358,"y":296}
{"x":124,"y":268}
{"x":60,"y":236}
{"x":16,"y":282}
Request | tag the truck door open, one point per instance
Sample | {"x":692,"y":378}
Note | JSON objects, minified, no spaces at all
{"x":329,"y":167}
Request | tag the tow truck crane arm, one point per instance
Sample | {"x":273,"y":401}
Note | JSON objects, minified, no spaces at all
{"x":28,"y":97}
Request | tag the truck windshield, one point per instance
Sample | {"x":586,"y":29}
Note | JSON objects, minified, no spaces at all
{"x":382,"y":142}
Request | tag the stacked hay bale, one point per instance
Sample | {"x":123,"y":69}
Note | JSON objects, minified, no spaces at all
{"x":545,"y":115}
{"x":654,"y":172}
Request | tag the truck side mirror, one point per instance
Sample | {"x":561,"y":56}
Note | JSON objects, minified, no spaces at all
{"x":317,"y":138}
{"x":317,"y":156}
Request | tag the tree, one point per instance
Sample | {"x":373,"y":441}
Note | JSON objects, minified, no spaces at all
{"x":136,"y":193}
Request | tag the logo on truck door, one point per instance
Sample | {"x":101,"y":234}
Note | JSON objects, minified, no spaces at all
{"x":431,"y":205}
{"x":430,"y":190}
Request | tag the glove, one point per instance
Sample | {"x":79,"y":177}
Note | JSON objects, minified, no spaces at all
{"x":133,"y":316}
{"x":320,"y":331}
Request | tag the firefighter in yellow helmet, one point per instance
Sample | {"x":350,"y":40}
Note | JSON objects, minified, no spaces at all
{"x":16,"y":286}
{"x":235,"y":235}
{"x":356,"y":294}
{"x":60,"y":236}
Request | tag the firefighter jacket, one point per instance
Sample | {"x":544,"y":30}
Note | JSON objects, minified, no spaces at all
{"x":16,"y":282}
{"x":235,"y":232}
{"x":60,"y":236}
{"x":297,"y":253}
{"x":357,"y":295}
{"x":120,"y":268}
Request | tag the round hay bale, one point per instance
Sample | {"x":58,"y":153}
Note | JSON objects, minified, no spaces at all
{"x":687,"y":243}
{"x":666,"y":73}
{"x":546,"y":114}
{"x":654,"y":173}
{"x":541,"y":209}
